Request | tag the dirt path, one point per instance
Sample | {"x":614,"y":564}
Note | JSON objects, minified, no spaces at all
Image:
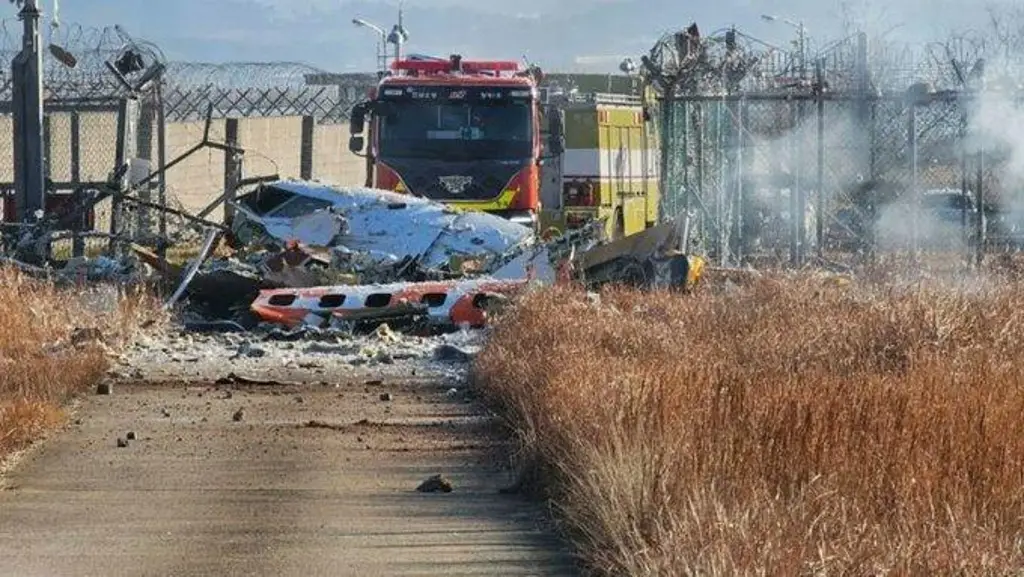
{"x":313,"y":480}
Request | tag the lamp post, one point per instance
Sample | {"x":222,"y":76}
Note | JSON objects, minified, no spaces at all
{"x":399,"y":35}
{"x":802,"y":39}
{"x":798,"y":197}
{"x":381,"y":45}
{"x":27,"y":76}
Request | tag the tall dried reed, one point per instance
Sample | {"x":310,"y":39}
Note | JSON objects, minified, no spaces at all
{"x":785,"y":427}
{"x":41,"y":365}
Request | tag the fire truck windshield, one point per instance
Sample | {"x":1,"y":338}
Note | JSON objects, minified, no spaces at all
{"x":460,"y":131}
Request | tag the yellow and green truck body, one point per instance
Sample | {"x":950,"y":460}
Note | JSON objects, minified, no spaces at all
{"x":609,"y":170}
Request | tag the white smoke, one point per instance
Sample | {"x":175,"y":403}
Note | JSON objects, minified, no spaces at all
{"x":996,"y":128}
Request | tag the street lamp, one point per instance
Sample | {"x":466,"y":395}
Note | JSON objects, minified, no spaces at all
{"x":382,"y":58}
{"x":399,"y":35}
{"x":802,"y":32}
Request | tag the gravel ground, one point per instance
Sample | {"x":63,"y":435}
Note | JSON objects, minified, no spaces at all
{"x":303,"y":356}
{"x":239,"y":454}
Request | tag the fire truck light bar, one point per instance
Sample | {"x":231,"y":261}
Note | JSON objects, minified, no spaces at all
{"x":467,"y":66}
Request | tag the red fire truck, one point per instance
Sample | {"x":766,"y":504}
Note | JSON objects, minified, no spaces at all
{"x":463,"y":132}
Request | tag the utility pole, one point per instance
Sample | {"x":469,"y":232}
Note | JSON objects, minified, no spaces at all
{"x":27,"y":76}
{"x":803,"y":51}
{"x":399,"y":34}
{"x":399,"y":37}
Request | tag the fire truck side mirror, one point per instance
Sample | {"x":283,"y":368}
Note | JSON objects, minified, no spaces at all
{"x":356,"y":144}
{"x":357,"y":120}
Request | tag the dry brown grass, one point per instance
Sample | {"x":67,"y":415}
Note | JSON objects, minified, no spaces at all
{"x":39,"y":367}
{"x":786,"y":427}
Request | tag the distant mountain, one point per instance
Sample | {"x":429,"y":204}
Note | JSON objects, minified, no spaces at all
{"x":568,"y":35}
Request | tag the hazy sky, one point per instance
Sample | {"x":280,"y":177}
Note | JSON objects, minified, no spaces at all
{"x":557,"y":34}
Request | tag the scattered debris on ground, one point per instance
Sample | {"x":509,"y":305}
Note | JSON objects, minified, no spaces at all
{"x":308,"y":275}
{"x":453,"y":354}
{"x":287,"y":356}
{"x":436,"y":484}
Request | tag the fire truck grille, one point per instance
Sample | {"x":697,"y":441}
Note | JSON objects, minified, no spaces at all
{"x":463,"y":181}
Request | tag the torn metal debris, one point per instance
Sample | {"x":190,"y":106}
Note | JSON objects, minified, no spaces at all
{"x":438,"y":304}
{"x":372,"y":231}
{"x":211,"y":239}
{"x":306,"y":255}
{"x":650,"y":260}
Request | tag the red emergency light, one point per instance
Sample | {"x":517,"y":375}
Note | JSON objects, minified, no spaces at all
{"x":455,"y":64}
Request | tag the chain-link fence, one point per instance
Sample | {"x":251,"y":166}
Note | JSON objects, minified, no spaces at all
{"x":86,"y":128}
{"x":787,"y":159}
{"x":789,"y":177}
{"x":120,"y":105}
{"x":261,"y":89}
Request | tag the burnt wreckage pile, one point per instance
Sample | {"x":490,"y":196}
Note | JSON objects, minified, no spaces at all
{"x":332,"y":256}
{"x":301,"y":254}
{"x":310,"y":254}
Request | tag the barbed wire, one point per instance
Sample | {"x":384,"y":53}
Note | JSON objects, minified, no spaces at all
{"x":240,"y":75}
{"x":728,"y":60}
{"x":243,"y":89}
{"x":91,"y":48}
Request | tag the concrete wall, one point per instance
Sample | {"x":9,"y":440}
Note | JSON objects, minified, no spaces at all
{"x":331,"y":158}
{"x":200,"y":178}
{"x":272,"y":146}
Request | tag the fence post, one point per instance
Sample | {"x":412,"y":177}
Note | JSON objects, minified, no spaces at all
{"x":47,"y":152}
{"x":306,"y":153}
{"x":965,"y":184}
{"x":667,"y":138}
{"x":866,"y":119}
{"x":120,"y":155}
{"x":687,"y":109}
{"x":819,"y":73}
{"x":865,"y":114}
{"x":701,"y":186}
{"x":47,"y":149}
{"x":161,"y":165}
{"x":77,"y":241}
{"x":749,"y":165}
{"x":914,"y":192}
{"x":738,"y":164}
{"x":144,"y":150}
{"x":796,"y":203}
{"x":27,"y":107}
{"x":981,"y":232}
{"x":721,"y":198}
{"x":232,"y":168}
